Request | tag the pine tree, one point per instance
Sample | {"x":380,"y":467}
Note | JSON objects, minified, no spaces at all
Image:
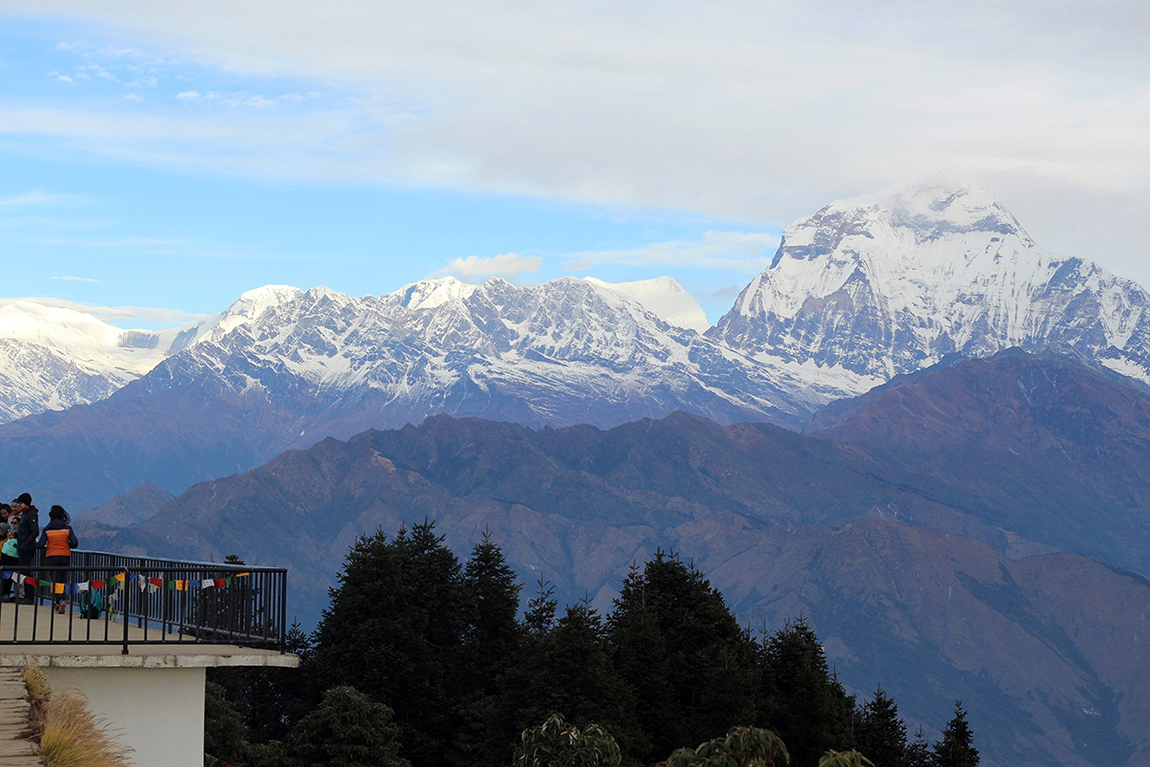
{"x":956,"y":749}
{"x":918,"y":752}
{"x":395,"y":629}
{"x":225,"y":734}
{"x":881,"y":733}
{"x":679,"y":647}
{"x":569,"y":670}
{"x":803,"y":702}
{"x":492,"y":642}
{"x":346,"y":728}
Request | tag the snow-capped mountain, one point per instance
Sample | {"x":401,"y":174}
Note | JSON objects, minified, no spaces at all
{"x":567,"y":351}
{"x":323,"y":364}
{"x":892,"y":284}
{"x":54,"y":357}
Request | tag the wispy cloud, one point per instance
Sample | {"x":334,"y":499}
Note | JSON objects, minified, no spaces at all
{"x":739,"y":251}
{"x":115,"y":313}
{"x":72,"y":278}
{"x":510,"y":266}
{"x":34,"y":197}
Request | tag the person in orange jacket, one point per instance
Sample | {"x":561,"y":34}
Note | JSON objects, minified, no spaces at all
{"x":58,"y":539}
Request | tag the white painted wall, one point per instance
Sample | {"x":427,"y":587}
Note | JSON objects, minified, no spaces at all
{"x":157,"y":711}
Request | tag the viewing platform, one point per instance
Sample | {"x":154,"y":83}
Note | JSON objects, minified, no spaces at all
{"x":135,"y":635}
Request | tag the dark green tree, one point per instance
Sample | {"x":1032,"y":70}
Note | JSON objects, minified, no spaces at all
{"x":742,"y":747}
{"x":269,"y":699}
{"x":569,"y":669}
{"x":956,"y":749}
{"x":395,"y":629}
{"x":802,"y":700}
{"x":346,"y":728}
{"x":555,"y":743}
{"x":492,"y":641}
{"x":881,"y":734}
{"x":675,"y":642}
{"x":918,"y":752}
{"x":225,"y":734}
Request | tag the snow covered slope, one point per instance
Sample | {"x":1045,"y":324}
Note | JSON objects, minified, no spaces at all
{"x":893,"y":284}
{"x":568,"y":351}
{"x":54,"y":357}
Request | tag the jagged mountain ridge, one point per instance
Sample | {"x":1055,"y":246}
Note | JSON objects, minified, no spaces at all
{"x":893,"y":283}
{"x":55,"y":357}
{"x":327,"y":364}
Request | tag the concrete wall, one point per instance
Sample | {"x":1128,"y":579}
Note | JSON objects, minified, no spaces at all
{"x":157,"y":711}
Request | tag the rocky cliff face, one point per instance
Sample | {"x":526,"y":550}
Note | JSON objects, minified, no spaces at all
{"x":891,"y":284}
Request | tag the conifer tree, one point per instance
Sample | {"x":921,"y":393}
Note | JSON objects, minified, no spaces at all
{"x":881,"y":733}
{"x":956,"y":749}
{"x":803,"y":702}
{"x":569,"y":669}
{"x":491,"y":643}
{"x":679,"y":647}
{"x":395,"y":629}
{"x":346,"y":728}
{"x":918,"y":753}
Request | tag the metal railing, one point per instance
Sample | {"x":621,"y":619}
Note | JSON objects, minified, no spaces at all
{"x":114,"y":599}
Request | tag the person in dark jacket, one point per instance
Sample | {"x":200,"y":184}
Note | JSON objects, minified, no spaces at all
{"x":58,"y":540}
{"x":27,"y":534}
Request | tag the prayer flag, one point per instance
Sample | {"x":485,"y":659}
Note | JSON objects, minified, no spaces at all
{"x":57,"y":588}
{"x":32,"y":582}
{"x":220,"y":583}
{"x":97,"y":584}
{"x":83,"y":586}
{"x":207,"y":584}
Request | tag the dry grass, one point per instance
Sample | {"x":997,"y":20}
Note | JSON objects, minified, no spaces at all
{"x":71,"y":735}
{"x":39,"y":693}
{"x":75,"y":737}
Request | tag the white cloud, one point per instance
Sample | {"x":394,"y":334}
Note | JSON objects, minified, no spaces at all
{"x":133,"y":96}
{"x":188,"y":95}
{"x":148,"y":81}
{"x":729,"y":251}
{"x":114,"y":313}
{"x":753,"y":111}
{"x":507,"y":265}
{"x":34,"y":197}
{"x":71,"y":278}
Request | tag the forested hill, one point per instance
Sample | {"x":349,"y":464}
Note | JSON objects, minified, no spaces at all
{"x":904,"y":573}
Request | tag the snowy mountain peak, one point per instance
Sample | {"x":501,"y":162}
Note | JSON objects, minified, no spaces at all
{"x":663,"y":297}
{"x":894,"y":282}
{"x":428,"y":294}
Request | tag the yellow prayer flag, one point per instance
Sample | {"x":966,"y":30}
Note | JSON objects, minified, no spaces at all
{"x":57,"y":588}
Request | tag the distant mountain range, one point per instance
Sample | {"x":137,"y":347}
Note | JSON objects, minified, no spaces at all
{"x":915,"y":426}
{"x":857,"y":293}
{"x":916,"y":572}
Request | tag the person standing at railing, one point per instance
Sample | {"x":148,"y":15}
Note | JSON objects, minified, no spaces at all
{"x":8,"y":556}
{"x":27,"y":532}
{"x":58,"y":540}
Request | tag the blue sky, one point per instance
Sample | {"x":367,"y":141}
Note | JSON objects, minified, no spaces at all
{"x":169,"y":156}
